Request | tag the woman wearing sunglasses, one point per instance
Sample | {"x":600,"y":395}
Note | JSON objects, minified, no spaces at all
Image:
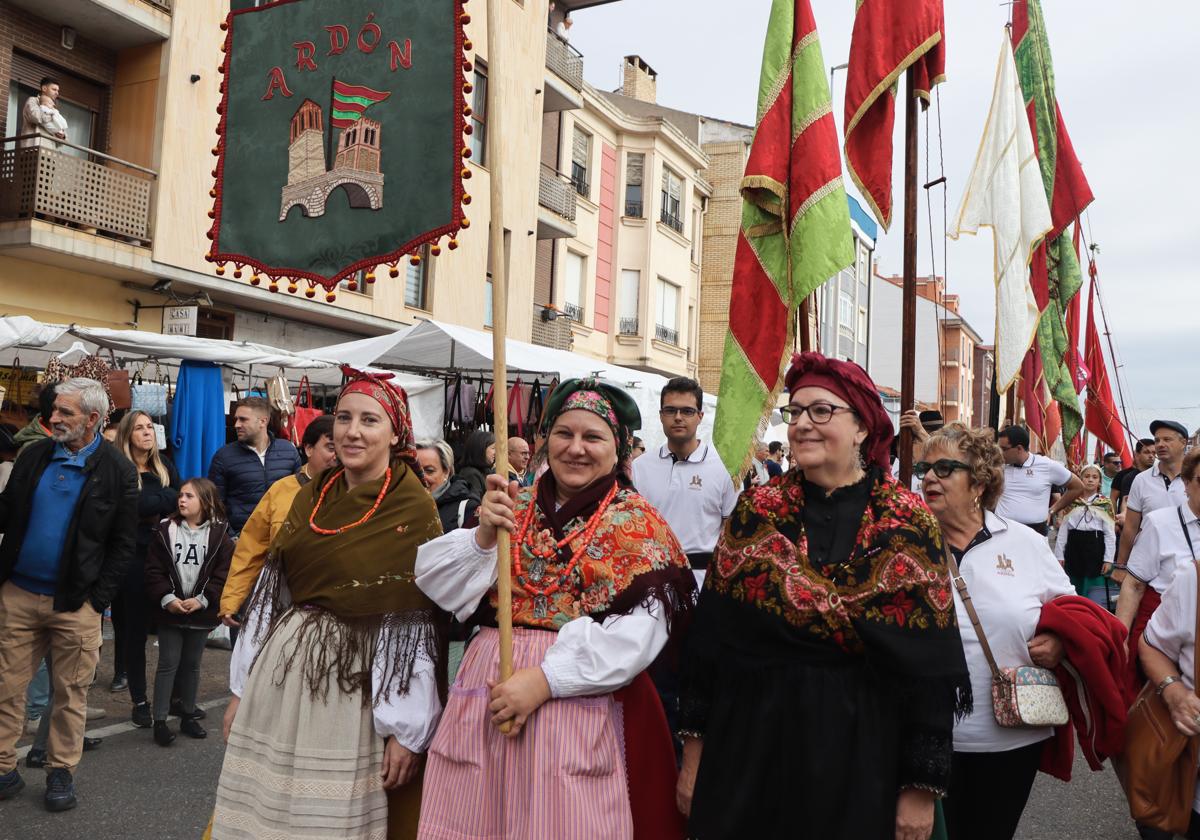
{"x":824,"y":668}
{"x":1011,"y":578}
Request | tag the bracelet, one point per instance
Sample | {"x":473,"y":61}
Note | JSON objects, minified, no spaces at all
{"x":938,"y":793}
{"x":689,"y":733}
{"x":1166,"y":681}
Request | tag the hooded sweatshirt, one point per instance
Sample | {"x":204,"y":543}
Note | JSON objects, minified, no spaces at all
{"x":189,"y":546}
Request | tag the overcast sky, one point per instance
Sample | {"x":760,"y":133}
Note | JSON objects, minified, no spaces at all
{"x":1129,"y":103}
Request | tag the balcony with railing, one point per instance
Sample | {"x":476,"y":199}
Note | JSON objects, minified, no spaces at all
{"x":564,"y":78}
{"x":627,"y":326}
{"x":574,"y":312}
{"x":671,"y":220}
{"x":667,"y":334}
{"x":556,"y":205}
{"x":634,"y":209}
{"x":60,"y":182}
{"x":114,"y":24}
{"x":165,"y":5}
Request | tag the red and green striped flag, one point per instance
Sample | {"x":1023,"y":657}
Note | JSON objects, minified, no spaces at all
{"x":795,"y":231}
{"x":1056,"y":276}
{"x":350,"y":101}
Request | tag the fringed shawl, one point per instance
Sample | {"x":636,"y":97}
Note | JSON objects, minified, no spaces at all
{"x":363,"y":578}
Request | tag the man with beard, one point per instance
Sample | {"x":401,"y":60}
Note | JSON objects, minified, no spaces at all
{"x":68,"y":516}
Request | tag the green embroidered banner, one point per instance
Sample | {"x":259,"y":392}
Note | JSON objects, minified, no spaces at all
{"x":341,"y":137}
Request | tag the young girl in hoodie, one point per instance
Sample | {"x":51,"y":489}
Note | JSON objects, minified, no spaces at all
{"x":186,"y":567}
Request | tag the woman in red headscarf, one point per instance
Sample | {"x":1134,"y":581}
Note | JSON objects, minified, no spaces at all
{"x":824,"y":668}
{"x":339,"y":676}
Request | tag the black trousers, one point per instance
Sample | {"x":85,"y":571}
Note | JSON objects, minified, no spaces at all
{"x":131,"y":610}
{"x":988,"y":792}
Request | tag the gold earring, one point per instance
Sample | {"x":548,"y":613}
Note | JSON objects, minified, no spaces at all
{"x":976,"y":503}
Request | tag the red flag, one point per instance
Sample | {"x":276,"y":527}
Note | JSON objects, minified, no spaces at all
{"x":1100,"y":411}
{"x":1035,"y":397}
{"x":889,"y":37}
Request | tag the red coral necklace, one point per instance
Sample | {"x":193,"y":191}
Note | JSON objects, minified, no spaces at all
{"x":545,"y":552}
{"x":312,"y":517}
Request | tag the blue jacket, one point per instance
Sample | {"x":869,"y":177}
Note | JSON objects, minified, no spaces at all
{"x":242,"y":479}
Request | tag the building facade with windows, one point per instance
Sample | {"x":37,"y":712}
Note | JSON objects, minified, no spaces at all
{"x":842,"y":313}
{"x":625,"y":277}
{"x":131,"y":194}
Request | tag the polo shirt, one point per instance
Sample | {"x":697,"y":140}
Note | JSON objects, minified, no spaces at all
{"x":1010,"y":574}
{"x":1027,"y":487}
{"x":1151,"y":491}
{"x":693,"y":495}
{"x":1161,"y":548}
{"x":1172,"y":631}
{"x":1122,"y":481}
{"x":50,"y":515}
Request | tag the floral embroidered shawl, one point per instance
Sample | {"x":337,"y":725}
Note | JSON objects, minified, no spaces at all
{"x":632,"y":559}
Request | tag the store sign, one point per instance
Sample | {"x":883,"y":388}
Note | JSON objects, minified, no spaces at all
{"x":342,"y":134}
{"x":180,"y":320}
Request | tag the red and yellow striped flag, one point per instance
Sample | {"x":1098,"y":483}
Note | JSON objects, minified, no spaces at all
{"x":795,"y":231}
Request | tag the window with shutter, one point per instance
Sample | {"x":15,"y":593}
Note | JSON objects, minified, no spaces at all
{"x":581,"y":154}
{"x":672,"y":200}
{"x":635,"y":164}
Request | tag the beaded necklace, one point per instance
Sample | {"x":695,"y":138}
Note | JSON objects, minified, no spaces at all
{"x":312,"y":517}
{"x":546,"y":553}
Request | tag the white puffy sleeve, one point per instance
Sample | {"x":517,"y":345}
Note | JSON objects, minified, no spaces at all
{"x":590,"y":657}
{"x":411,"y":717}
{"x":1110,"y":541}
{"x":247,"y":647}
{"x":1145,"y":560}
{"x":455,"y":572}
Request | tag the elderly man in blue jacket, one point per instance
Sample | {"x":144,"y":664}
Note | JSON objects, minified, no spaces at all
{"x":244,"y":469}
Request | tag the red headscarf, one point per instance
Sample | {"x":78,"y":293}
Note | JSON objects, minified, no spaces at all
{"x":394,"y":402}
{"x":852,"y":384}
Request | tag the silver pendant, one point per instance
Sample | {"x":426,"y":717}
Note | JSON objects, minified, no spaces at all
{"x":541,"y":606}
{"x":537,"y":570}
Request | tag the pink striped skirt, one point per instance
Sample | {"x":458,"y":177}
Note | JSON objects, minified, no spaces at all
{"x":562,"y":778}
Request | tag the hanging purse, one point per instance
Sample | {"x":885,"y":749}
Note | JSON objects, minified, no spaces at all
{"x":305,"y":411}
{"x":1023,"y":696}
{"x":150,"y":397}
{"x":120,"y":393}
{"x":1157,"y":768}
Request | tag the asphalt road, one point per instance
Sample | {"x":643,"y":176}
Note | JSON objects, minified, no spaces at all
{"x":132,"y":789}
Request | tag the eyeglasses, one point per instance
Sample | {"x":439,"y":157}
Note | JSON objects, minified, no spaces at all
{"x":942,"y":468}
{"x":819,"y":412}
{"x":671,"y":412}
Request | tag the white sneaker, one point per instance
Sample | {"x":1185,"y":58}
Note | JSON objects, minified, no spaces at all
{"x":95,"y":713}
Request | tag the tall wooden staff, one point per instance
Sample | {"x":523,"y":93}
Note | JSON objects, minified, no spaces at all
{"x":499,"y":334}
{"x":908,"y":340}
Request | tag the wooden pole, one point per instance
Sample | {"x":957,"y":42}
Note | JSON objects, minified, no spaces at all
{"x":908,"y":340}
{"x":499,"y":334}
{"x":806,"y":342}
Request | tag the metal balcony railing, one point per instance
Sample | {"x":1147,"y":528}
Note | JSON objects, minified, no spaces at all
{"x":165,"y":5}
{"x":555,"y":193}
{"x":671,"y":220}
{"x":93,"y":190}
{"x":573,"y":311}
{"x":627,"y":326}
{"x":666,"y":334}
{"x":633,"y":209}
{"x":564,"y":60}
{"x":579,"y":179}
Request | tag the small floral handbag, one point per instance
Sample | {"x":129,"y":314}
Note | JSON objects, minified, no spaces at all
{"x":1024,"y":696}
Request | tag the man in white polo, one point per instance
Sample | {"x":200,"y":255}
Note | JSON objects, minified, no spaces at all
{"x":685,"y":478}
{"x":1158,"y":487}
{"x":1029,"y":480}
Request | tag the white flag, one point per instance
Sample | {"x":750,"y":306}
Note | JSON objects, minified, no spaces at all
{"x":1005,"y":192}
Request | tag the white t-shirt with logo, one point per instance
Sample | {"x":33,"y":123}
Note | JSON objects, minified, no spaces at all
{"x":1150,"y":491}
{"x":1161,"y":548}
{"x":693,"y":495}
{"x":1009,"y":576}
{"x":1172,"y":631}
{"x":1027,"y":487}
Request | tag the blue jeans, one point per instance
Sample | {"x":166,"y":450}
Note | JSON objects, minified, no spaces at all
{"x":37,"y":696}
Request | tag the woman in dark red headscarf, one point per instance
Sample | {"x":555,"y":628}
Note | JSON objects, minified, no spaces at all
{"x":824,"y":668}
{"x":338,"y":677}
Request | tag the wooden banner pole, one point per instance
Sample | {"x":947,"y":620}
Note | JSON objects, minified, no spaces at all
{"x":499,"y":263}
{"x":908,"y":355}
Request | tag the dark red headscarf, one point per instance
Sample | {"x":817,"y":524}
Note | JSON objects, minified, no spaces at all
{"x":852,"y":384}
{"x":394,"y":402}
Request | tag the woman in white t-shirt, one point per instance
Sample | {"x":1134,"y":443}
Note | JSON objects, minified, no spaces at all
{"x":1168,"y":653}
{"x":1010,"y":574}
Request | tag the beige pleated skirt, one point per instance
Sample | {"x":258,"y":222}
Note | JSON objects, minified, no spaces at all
{"x":299,"y":768}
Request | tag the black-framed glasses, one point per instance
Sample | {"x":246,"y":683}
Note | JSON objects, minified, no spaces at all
{"x":819,"y":412}
{"x":671,"y":411}
{"x":942,"y":468}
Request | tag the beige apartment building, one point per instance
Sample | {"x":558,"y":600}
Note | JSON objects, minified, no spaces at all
{"x":625,"y":273}
{"x":140,"y":89}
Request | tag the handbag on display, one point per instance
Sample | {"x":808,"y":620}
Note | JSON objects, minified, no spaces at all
{"x":120,"y":393}
{"x":1157,"y":768}
{"x":1022,"y":696}
{"x":280,"y":395}
{"x":305,"y":412}
{"x":13,"y":400}
{"x":150,"y":397}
